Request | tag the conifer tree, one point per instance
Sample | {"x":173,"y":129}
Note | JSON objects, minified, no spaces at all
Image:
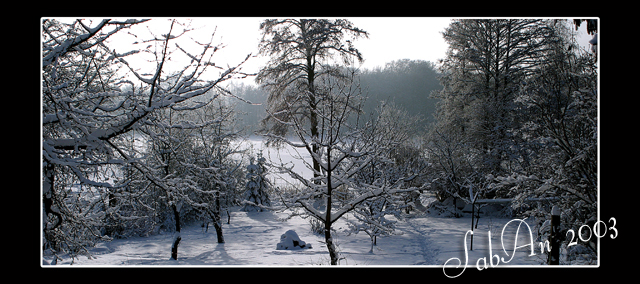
{"x":257,"y":186}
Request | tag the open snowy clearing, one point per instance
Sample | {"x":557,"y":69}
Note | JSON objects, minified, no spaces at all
{"x":251,"y":238}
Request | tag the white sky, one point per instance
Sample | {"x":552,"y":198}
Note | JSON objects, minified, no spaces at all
{"x":390,"y":38}
{"x":398,"y":38}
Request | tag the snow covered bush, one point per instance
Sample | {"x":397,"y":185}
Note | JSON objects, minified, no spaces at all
{"x":317,"y":226}
{"x":370,"y":219}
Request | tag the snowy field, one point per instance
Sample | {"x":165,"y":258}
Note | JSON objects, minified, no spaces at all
{"x":251,"y":238}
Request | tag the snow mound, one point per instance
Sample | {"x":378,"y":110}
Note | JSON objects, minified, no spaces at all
{"x":290,"y":240}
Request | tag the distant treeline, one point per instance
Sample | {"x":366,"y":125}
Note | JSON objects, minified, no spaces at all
{"x":406,"y":82}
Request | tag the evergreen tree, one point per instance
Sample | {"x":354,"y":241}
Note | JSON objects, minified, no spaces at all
{"x":257,"y":186}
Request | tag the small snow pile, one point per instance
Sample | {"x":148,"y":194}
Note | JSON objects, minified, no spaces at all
{"x":290,"y":240}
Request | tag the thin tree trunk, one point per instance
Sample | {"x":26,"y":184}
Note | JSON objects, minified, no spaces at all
{"x":333,"y":253}
{"x":47,"y":201}
{"x":553,"y":258}
{"x":313,"y":119}
{"x":217,"y":222}
{"x":177,"y":238}
{"x":373,"y":242}
{"x":473,"y":214}
{"x":218,"y":226}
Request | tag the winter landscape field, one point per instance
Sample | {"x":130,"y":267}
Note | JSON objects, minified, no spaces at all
{"x":251,"y":238}
{"x":165,"y":145}
{"x":431,"y":237}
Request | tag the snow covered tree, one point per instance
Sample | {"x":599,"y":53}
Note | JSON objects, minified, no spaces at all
{"x":452,"y":162}
{"x":560,"y":101}
{"x":302,"y":51}
{"x":478,"y":120}
{"x":211,"y":161}
{"x":486,"y":61}
{"x":370,"y":218}
{"x":88,"y":114}
{"x":257,"y":186}
{"x":82,"y":108}
{"x":391,"y":128}
{"x":518,"y":117}
{"x":345,"y":145}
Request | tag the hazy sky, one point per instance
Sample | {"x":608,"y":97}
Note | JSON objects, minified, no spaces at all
{"x":390,"y":38}
{"x":398,"y":38}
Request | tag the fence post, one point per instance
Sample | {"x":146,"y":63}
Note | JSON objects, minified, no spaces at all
{"x":554,"y":237}
{"x":473,"y":213}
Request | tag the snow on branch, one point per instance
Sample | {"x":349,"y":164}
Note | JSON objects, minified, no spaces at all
{"x":76,"y":43}
{"x":368,"y":194}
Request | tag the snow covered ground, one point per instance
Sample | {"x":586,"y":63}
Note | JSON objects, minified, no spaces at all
{"x":251,"y":240}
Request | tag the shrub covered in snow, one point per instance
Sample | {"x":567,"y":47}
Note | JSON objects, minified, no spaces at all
{"x":290,"y":240}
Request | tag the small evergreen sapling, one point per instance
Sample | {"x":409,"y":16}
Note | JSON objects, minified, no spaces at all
{"x":257,"y":185}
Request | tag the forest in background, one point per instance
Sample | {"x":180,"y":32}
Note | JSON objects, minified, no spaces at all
{"x":407,"y":83}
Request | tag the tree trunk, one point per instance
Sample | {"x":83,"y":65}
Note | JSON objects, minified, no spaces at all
{"x":473,"y":214}
{"x":217,"y":222}
{"x":313,"y":118}
{"x":218,"y":226}
{"x":333,"y":253}
{"x":314,"y":135}
{"x":111,"y":224}
{"x":47,"y":196}
{"x":373,"y":243}
{"x":177,"y":238}
{"x":47,"y":201}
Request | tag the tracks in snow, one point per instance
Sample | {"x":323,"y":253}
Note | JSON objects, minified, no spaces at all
{"x":422,"y":232}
